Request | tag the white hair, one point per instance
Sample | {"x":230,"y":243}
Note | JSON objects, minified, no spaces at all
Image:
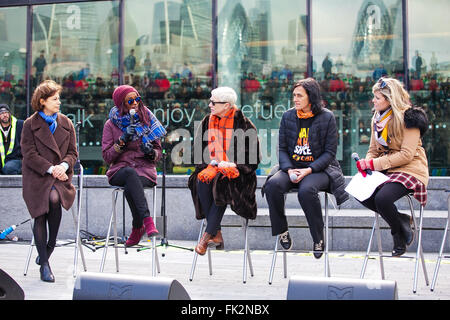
{"x":225,"y":94}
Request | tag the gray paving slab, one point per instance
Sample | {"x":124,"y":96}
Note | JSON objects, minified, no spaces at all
{"x":226,"y":282}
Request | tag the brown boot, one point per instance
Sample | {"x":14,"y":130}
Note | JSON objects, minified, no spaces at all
{"x":203,"y":244}
{"x":217,"y":241}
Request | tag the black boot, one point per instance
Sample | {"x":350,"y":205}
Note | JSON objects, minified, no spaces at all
{"x":406,"y":227}
{"x":49,"y":253}
{"x":399,"y":244}
{"x":46,"y":273}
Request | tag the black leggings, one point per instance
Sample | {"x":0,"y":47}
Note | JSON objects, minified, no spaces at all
{"x":134,"y":193}
{"x":382,"y":201}
{"x":212,"y":212}
{"x":308,"y":197}
{"x":53,"y":217}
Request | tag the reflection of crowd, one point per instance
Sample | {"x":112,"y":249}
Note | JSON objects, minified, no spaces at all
{"x":184,"y":87}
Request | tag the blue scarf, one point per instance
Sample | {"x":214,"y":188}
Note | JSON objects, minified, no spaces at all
{"x":147,"y":133}
{"x":51,"y":120}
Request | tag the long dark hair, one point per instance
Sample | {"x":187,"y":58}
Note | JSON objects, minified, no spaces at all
{"x":312,"y":89}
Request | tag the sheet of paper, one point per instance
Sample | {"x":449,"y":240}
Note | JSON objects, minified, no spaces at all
{"x":363,"y":187}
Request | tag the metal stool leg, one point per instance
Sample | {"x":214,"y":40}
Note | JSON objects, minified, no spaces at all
{"x":155,"y":261}
{"x":380,"y":248}
{"x":419,"y":252}
{"x":113,"y":213}
{"x":116,"y":249}
{"x":375,"y":228}
{"x":327,"y":261}
{"x":274,"y":260}
{"x":194,"y":261}
{"x":76,"y":220}
{"x":441,"y":250}
{"x":246,"y":255}
{"x":30,"y":251}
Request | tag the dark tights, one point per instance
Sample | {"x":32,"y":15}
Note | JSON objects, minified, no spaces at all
{"x":53,"y":218}
{"x":382,"y":201}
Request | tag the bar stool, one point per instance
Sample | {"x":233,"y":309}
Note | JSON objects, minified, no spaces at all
{"x":419,"y":252}
{"x":276,"y":250}
{"x":76,"y":219}
{"x":438,"y":262}
{"x":246,"y":253}
{"x":113,"y":224}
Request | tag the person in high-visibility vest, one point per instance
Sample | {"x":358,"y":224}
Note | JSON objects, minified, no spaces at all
{"x":10,"y":134}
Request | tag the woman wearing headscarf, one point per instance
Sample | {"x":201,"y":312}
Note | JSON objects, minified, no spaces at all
{"x":396,"y":149}
{"x":49,"y":154}
{"x":131,"y":146}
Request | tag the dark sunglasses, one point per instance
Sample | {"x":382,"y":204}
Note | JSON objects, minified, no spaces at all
{"x":214,"y":102}
{"x":382,"y":83}
{"x":137,"y":99}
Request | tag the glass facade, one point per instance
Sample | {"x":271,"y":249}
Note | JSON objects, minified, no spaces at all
{"x":429,"y":75}
{"x":13,"y":59}
{"x":77,"y":45}
{"x":175,"y":52}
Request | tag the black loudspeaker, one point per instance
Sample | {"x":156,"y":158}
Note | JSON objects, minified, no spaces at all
{"x":9,"y":289}
{"x":310,"y":288}
{"x":104,"y":286}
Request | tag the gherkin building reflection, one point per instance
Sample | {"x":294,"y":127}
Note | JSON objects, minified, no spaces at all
{"x":373,"y":41}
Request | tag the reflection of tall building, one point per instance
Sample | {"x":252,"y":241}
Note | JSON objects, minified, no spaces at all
{"x":297,"y":33}
{"x":261,"y":33}
{"x":372,"y":40}
{"x":173,"y":21}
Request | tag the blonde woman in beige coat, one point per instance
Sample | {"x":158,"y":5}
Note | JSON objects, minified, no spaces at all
{"x":396,"y":150}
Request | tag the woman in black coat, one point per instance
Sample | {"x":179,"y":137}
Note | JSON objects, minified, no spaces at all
{"x":227,"y":172}
{"x":308,"y":141}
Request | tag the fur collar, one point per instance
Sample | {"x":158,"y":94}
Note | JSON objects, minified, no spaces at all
{"x":416,"y":117}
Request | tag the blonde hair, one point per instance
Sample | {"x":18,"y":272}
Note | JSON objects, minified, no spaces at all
{"x":44,"y":90}
{"x":398,"y":98}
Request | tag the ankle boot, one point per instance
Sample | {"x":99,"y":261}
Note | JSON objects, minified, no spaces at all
{"x":203,"y":244}
{"x":150,"y":227}
{"x":217,"y":241}
{"x":49,"y":253}
{"x":135,"y":236}
{"x":46,"y":273}
{"x":399,"y":244}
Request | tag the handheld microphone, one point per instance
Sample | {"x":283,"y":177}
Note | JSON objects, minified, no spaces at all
{"x":132,"y":113}
{"x":293,"y":177}
{"x":355,"y":157}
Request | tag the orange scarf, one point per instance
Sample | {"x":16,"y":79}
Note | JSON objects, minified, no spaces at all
{"x":220,"y":132}
{"x":304,"y":115}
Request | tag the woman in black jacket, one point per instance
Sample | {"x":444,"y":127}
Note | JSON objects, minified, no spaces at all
{"x":308,"y":141}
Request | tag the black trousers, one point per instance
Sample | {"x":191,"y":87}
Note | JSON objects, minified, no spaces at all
{"x":382,"y":201}
{"x":134,"y":193}
{"x":213,"y":213}
{"x":308,"y":197}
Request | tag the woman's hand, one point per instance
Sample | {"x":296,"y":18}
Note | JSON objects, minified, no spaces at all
{"x":226,"y":164}
{"x":300,"y":173}
{"x":363,"y":165}
{"x":63,"y":177}
{"x":59,"y":172}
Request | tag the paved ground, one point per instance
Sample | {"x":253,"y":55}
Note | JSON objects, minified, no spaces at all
{"x":226,"y":282}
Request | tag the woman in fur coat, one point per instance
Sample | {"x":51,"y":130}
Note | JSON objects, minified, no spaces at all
{"x":396,"y":149}
{"x":226,"y":173}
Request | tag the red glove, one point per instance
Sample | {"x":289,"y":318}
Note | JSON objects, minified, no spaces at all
{"x":363,"y":165}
